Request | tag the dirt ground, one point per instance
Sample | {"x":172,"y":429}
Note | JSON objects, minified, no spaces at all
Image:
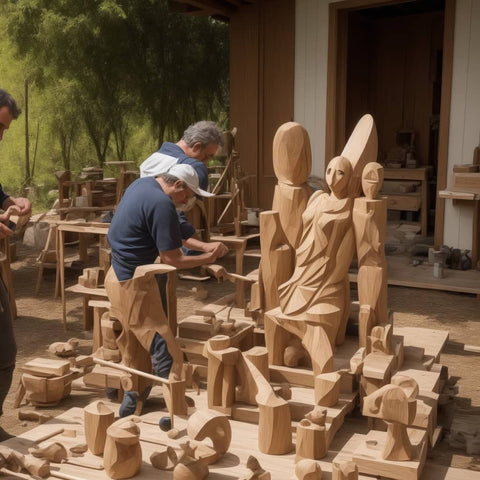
{"x":39,"y":324}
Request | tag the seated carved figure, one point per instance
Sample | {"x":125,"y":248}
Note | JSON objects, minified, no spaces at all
{"x":325,"y":252}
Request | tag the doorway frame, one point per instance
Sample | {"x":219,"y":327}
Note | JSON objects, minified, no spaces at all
{"x":335,"y":136}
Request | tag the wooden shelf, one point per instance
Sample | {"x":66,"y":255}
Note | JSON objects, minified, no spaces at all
{"x":410,"y":202}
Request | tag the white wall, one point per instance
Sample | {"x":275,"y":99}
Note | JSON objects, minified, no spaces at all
{"x":311,"y":56}
{"x":465,"y":114}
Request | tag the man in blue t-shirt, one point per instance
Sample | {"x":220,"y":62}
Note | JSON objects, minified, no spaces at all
{"x":8,"y":348}
{"x":199,"y":144}
{"x":144,"y":226}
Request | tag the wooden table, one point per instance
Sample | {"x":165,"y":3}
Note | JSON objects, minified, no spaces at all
{"x":239,"y":244}
{"x":81,"y":228}
{"x":410,"y":202}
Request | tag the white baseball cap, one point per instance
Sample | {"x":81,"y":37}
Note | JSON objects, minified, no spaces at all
{"x":187,"y":174}
{"x":156,"y":164}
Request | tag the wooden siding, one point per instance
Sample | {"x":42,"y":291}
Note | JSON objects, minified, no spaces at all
{"x":261,"y":86}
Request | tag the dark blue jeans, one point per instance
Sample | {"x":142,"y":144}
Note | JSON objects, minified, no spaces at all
{"x":8,"y":347}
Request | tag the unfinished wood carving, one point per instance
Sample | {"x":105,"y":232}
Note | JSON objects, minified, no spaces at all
{"x":213,"y":425}
{"x":397,"y":407}
{"x":137,"y":304}
{"x":312,"y":436}
{"x":54,"y":452}
{"x":122,"y":457}
{"x":327,"y":389}
{"x":64,"y":349}
{"x":308,"y":470}
{"x":16,"y":462}
{"x":97,"y":418}
{"x":164,"y":459}
{"x":256,"y":471}
{"x":189,"y":467}
{"x":344,"y":471}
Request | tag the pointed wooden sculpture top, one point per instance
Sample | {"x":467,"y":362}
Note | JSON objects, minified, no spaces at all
{"x":292,"y":155}
{"x":361,"y":148}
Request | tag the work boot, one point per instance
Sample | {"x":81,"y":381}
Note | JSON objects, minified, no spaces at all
{"x":129,"y":404}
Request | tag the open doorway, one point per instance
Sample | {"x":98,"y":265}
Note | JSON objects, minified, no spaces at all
{"x":392,"y":60}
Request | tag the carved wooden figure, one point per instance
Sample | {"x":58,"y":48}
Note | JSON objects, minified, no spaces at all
{"x":222,"y":359}
{"x":281,"y":228}
{"x":308,"y":470}
{"x":369,"y":220}
{"x":122,"y":457}
{"x":97,"y":418}
{"x":137,"y":304}
{"x":396,"y":405}
{"x":312,"y":436}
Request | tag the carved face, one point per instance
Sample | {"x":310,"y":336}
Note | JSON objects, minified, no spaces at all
{"x":338,"y":174}
{"x":372,"y":179}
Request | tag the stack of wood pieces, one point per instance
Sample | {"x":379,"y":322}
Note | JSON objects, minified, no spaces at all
{"x":45,"y":382}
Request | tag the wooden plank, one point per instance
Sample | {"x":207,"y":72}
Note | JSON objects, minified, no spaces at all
{"x":403,"y":274}
{"x":47,"y":367}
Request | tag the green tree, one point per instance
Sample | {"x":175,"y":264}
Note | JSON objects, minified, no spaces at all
{"x":116,"y":62}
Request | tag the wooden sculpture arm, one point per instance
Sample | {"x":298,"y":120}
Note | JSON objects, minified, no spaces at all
{"x":152,"y":269}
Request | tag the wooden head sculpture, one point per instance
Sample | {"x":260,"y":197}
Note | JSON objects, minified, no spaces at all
{"x":361,"y":148}
{"x":372,"y":179}
{"x":338,"y":175}
{"x":292,"y":155}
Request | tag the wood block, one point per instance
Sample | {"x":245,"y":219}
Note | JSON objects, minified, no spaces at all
{"x":368,"y":457}
{"x":47,"y":367}
{"x":378,"y":366}
{"x":327,"y":389}
{"x":46,"y":391}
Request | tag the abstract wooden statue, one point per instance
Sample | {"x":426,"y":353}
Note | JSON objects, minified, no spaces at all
{"x":282,"y":227}
{"x":370,"y":220}
{"x":397,"y":406}
{"x":213,"y":425}
{"x":315,"y":300}
{"x":189,"y":467}
{"x":138,"y":306}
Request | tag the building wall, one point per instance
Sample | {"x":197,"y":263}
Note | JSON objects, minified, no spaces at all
{"x":311,"y":55}
{"x":464,"y":115}
{"x":311,"y":58}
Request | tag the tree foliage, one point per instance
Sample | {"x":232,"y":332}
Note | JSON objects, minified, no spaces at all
{"x":107,"y":66}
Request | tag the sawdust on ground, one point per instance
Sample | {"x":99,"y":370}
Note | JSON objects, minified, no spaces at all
{"x":39,"y":324}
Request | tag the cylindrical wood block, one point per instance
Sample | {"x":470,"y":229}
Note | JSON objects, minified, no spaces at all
{"x":97,"y":418}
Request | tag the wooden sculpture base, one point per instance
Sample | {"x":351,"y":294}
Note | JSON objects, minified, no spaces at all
{"x":368,"y":456}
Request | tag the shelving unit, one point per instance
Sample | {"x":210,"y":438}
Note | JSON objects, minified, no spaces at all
{"x":411,"y":201}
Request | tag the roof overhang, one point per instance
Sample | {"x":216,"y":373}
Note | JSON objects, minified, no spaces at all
{"x":221,"y":9}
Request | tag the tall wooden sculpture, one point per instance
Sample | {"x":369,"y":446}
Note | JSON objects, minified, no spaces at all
{"x":369,"y":220}
{"x":292,"y":161}
{"x":314,"y":301}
